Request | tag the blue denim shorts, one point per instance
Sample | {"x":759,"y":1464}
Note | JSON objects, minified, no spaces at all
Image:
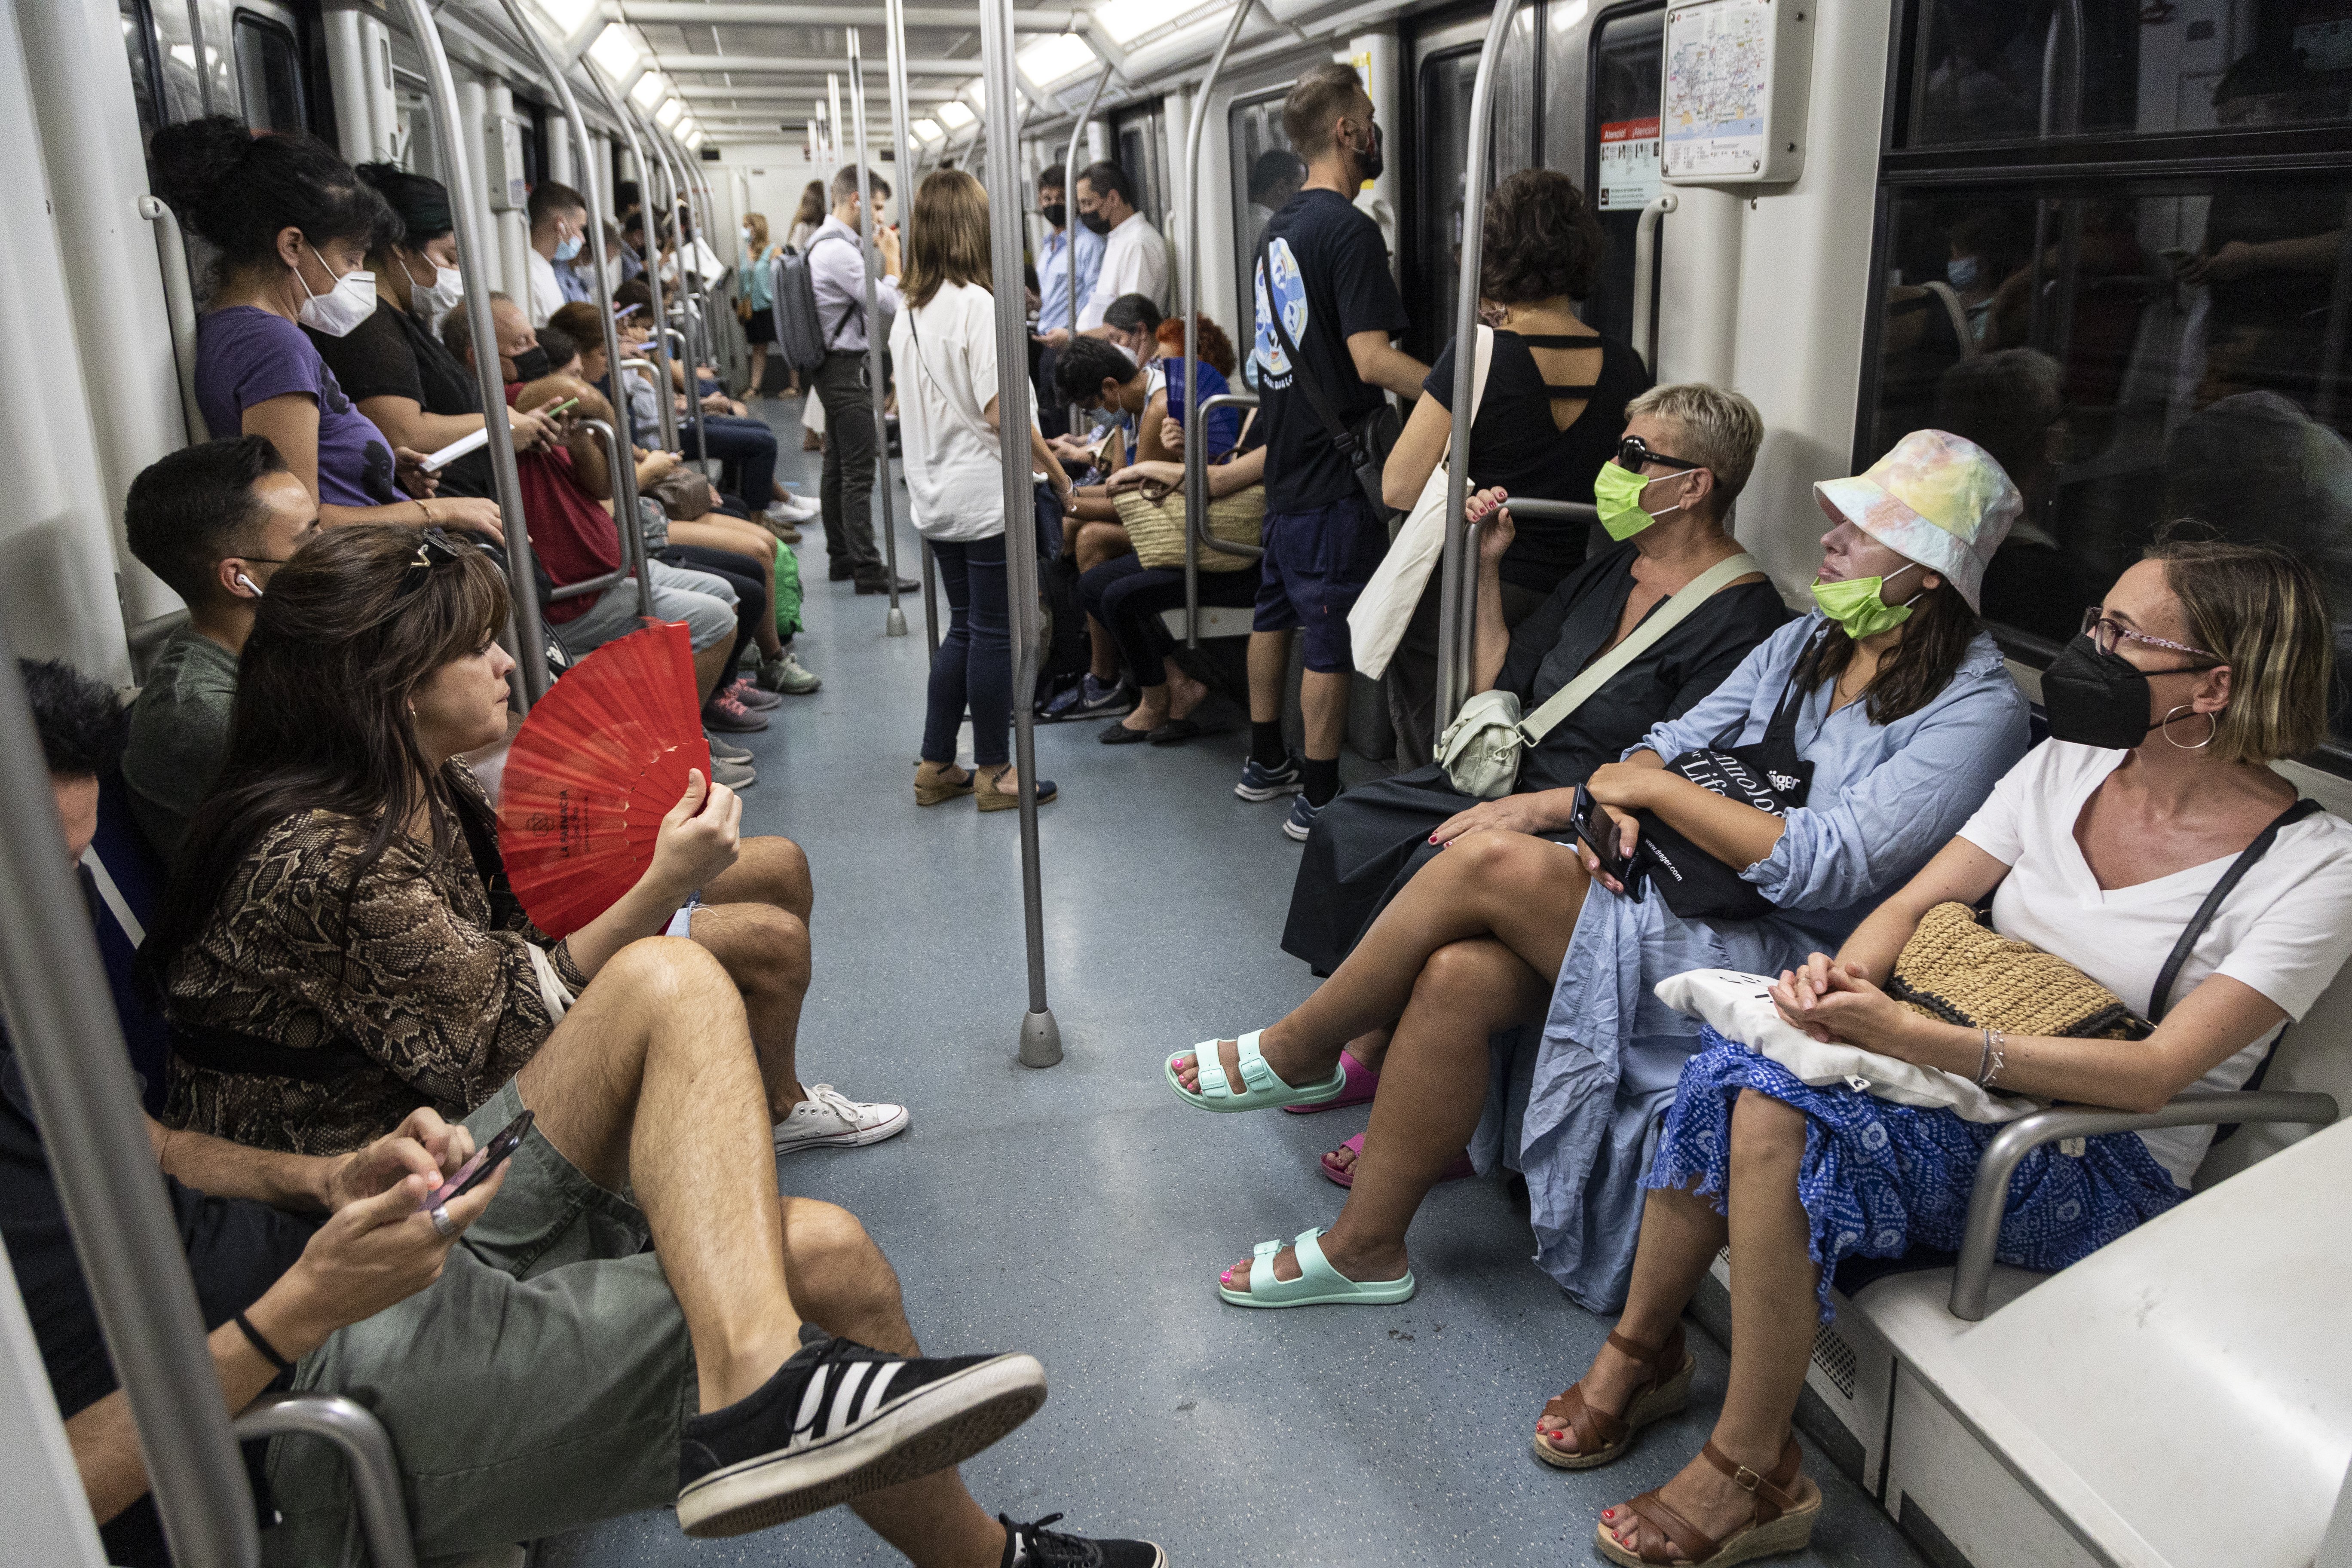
{"x":1317,"y":561}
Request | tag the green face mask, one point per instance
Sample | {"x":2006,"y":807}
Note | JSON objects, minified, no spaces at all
{"x":1617,"y":495}
{"x":1857,"y":605}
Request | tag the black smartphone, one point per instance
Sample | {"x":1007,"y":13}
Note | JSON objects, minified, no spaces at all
{"x":487,"y":1157}
{"x":1598,"y":830}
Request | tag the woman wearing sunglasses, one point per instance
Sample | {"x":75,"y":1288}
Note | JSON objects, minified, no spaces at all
{"x":1685,"y":453}
{"x":2206,"y":663}
{"x":1884,"y":717}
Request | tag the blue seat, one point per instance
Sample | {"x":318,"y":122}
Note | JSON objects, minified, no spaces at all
{"x":124,"y":878}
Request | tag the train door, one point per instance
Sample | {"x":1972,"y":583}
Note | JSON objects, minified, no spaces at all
{"x":1620,"y":155}
{"x":1138,"y":140}
{"x":1445,"y":67}
{"x":272,"y":91}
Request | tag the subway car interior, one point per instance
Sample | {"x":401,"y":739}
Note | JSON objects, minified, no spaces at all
{"x":2060,"y":282}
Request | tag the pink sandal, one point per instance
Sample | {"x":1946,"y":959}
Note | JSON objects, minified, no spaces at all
{"x":1362,"y":1084}
{"x":1460,"y":1171}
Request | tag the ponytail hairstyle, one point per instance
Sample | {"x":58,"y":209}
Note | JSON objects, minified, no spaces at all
{"x":353,"y":624}
{"x":239,"y":191}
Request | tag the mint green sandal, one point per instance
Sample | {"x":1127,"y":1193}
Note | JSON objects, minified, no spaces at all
{"x":1318,"y":1284}
{"x":1261,"y":1086}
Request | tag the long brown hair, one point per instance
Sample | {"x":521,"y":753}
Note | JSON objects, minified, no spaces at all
{"x":812,"y":208}
{"x":352,"y":626}
{"x":947,"y":235}
{"x":1922,"y":662}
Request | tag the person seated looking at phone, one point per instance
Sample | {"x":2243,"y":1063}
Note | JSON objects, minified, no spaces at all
{"x":340,"y":947}
{"x":2205,"y":663}
{"x":215,"y":522}
{"x":1872,"y":727}
{"x":744,"y":444}
{"x":535,"y":1366}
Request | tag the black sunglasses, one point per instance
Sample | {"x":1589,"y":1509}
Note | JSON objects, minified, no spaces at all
{"x":1632,"y":453}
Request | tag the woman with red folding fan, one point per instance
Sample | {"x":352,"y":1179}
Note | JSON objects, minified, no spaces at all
{"x":341,"y":946}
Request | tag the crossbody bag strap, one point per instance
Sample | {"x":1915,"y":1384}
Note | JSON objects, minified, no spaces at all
{"x":1332,"y":425}
{"x":2161,"y":997}
{"x":1656,"y":624}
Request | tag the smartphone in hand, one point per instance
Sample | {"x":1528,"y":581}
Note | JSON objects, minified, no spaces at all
{"x":486,"y":1159}
{"x":1598,"y":832}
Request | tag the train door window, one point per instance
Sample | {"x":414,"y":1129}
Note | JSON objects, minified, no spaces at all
{"x":417,"y":147}
{"x":1266,"y":174}
{"x":1445,"y":80}
{"x":146,"y":80}
{"x":1622,"y":150}
{"x":270,"y":71}
{"x":1139,"y":143}
{"x":2140,"y":328}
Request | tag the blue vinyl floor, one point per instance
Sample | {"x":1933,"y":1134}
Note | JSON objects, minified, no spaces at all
{"x":1082,"y":1213}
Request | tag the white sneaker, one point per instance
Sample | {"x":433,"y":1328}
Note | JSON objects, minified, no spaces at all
{"x":793,"y":509}
{"x":831,"y":1119}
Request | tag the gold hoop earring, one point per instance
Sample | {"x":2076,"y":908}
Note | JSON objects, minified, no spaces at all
{"x":2213,"y":720}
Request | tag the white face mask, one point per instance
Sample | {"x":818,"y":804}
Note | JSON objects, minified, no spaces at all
{"x":441,"y":296}
{"x":340,"y":310}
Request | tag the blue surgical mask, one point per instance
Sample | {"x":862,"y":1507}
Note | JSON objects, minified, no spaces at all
{"x":568,"y":248}
{"x":1960,"y":272}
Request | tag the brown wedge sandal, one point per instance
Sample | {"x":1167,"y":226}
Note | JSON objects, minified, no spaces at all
{"x":1784,"y":1521}
{"x":934,"y":783}
{"x":1601,"y":1437}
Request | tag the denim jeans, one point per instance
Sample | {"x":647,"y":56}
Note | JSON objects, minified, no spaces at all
{"x":746,"y":450}
{"x":974,"y":665}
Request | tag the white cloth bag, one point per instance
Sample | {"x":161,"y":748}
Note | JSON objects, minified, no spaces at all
{"x":1385,"y":608}
{"x":1740,"y":1008}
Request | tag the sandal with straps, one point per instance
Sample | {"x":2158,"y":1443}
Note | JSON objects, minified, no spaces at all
{"x":1602,"y":1438}
{"x":1784,"y":1521}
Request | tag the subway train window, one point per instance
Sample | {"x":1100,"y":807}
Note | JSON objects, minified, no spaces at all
{"x":269,"y":71}
{"x":146,"y":81}
{"x":2008,"y":70}
{"x":1265,"y":174}
{"x":1622,"y":150}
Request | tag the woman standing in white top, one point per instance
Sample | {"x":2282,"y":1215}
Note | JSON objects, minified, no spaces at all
{"x":2207,"y":663}
{"x":944,"y":344}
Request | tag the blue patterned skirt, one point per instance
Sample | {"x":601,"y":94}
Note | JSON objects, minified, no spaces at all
{"x":1879,"y":1179}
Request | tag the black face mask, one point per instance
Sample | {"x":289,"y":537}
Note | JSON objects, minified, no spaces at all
{"x":1370,"y":162}
{"x":1095,"y":221}
{"x":531,"y":364}
{"x":1057,"y":214}
{"x":2095,"y":699}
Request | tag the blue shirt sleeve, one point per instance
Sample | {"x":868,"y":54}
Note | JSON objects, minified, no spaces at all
{"x":1759,"y":679}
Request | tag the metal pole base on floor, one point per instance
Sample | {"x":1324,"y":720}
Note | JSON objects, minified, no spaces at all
{"x":894,"y":624}
{"x":1041,"y":1039}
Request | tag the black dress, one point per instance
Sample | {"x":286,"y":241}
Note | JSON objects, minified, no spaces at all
{"x":1368,"y":843}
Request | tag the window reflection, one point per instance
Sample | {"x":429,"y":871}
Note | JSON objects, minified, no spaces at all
{"x":1265,"y":174}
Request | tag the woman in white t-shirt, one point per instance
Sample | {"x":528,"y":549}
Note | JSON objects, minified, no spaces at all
{"x":2207,"y":662}
{"x":944,"y":347}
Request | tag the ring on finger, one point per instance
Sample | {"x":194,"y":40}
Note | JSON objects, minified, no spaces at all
{"x":439,"y":1215}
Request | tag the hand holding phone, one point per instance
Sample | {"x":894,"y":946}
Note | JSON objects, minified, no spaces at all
{"x":1597,"y":831}
{"x":486,"y":1159}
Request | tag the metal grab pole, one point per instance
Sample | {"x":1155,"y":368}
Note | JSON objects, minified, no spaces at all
{"x":368,"y":1458}
{"x":180,"y":306}
{"x":471,"y":221}
{"x":1041,"y":1037}
{"x":70,"y":1047}
{"x":1646,"y":289}
{"x":670,"y":194}
{"x":1070,"y":206}
{"x":895,"y":623}
{"x":1196,"y":441}
{"x":600,"y":289}
{"x":663,"y":393}
{"x":1456,"y":606}
{"x":1197,"y":522}
{"x":693,"y":296}
{"x":893,"y":37}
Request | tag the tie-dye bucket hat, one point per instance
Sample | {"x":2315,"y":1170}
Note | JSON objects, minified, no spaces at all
{"x":1938,"y":498}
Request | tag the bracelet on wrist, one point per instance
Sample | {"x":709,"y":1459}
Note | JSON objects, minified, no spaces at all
{"x":262,"y":1347}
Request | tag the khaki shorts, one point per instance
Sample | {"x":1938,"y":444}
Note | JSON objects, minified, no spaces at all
{"x":540,"y":1384}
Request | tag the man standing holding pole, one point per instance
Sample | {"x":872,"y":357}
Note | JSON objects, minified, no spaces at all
{"x":836,"y":264}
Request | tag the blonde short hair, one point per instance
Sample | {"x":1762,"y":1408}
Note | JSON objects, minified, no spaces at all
{"x":1719,"y":428}
{"x":2262,"y":612}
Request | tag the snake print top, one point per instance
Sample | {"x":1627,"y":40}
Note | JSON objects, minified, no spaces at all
{"x":423,"y":993}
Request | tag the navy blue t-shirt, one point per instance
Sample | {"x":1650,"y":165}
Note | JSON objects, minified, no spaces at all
{"x":1331,"y":275}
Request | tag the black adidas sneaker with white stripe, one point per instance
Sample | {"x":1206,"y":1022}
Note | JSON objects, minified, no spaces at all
{"x":838,"y":1421}
{"x":1035,"y":1546}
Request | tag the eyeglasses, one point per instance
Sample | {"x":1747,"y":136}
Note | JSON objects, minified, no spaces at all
{"x":432,"y":549}
{"x":1632,"y":452}
{"x":2107,"y":635}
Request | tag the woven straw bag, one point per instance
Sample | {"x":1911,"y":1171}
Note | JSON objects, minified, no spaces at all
{"x":1956,"y":971}
{"x":1155,"y":525}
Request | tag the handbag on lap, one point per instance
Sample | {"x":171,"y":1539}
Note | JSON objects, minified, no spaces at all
{"x":1155,"y":526}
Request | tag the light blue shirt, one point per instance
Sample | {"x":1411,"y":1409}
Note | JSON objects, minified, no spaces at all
{"x":1578,"y":1110}
{"x":1054,"y":274}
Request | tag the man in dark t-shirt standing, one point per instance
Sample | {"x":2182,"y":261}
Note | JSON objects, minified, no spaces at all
{"x":1323,"y":265}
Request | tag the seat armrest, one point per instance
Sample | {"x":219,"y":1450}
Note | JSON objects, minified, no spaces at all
{"x":367,"y":1450}
{"x":1987,"y":1199}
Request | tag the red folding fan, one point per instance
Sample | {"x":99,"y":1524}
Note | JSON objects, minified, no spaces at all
{"x":599,"y":762}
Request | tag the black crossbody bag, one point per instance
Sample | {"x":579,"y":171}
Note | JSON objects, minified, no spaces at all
{"x":1367,"y":443}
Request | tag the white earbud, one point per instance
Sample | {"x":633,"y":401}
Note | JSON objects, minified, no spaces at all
{"x":248,"y":585}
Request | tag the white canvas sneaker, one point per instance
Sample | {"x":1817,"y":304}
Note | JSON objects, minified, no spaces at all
{"x":828,"y":1119}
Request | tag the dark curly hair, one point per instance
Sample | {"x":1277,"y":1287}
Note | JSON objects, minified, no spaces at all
{"x":240,"y":190}
{"x":82,"y":722}
{"x":1541,"y":240}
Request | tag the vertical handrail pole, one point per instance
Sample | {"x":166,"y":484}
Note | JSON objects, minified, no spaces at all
{"x":647,"y":187}
{"x":180,"y":306}
{"x":1196,"y":441}
{"x":894,"y":52}
{"x":669,"y":192}
{"x":53,"y":992}
{"x":894,"y":623}
{"x":1041,"y":1037}
{"x":1645,"y":279}
{"x":600,"y":289}
{"x":470,"y":220}
{"x":1070,"y":204}
{"x":1457,"y":609}
{"x":690,"y":314}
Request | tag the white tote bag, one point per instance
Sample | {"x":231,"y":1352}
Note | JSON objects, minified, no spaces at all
{"x":1385,"y":608}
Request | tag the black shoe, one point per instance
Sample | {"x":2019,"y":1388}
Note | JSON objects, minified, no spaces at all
{"x":837,"y":572}
{"x":838,"y":1421}
{"x":1035,"y":1546}
{"x":1176,"y":732}
{"x":1116,"y":733}
{"x":882,"y":586}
